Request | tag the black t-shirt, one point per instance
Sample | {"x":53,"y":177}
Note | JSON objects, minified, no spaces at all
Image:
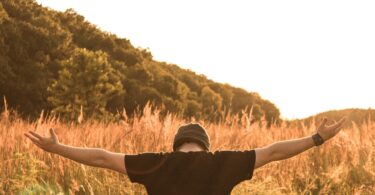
{"x":177,"y":173}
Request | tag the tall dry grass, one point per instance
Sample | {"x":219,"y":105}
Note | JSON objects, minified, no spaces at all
{"x":344,"y":165}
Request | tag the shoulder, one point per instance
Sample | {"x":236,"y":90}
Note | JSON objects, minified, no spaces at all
{"x":146,"y":156}
{"x":144,"y":163}
{"x":250,"y":153}
{"x":237,"y":164}
{"x":235,"y":157}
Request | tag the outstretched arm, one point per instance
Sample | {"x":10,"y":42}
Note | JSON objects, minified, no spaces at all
{"x":289,"y":148}
{"x":96,"y":157}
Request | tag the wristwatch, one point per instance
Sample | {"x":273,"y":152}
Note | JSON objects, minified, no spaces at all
{"x":318,"y":140}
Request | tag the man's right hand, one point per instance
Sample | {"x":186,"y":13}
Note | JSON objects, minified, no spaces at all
{"x":46,"y":143}
{"x":96,"y":157}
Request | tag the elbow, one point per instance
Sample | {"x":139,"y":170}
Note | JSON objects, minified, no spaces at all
{"x":101,"y":158}
{"x":276,"y":154}
{"x":269,"y":154}
{"x":273,"y":153}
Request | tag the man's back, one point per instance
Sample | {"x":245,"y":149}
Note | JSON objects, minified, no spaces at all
{"x":190,"y":172}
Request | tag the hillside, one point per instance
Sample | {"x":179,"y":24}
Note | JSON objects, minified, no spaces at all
{"x":61,"y":63}
{"x":354,"y":115}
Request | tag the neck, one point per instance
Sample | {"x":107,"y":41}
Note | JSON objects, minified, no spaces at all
{"x":190,"y":147}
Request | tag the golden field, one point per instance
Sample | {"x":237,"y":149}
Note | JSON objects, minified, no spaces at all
{"x":344,"y":165}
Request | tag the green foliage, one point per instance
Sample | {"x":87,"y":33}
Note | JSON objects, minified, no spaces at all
{"x":271,"y":114}
{"x":169,"y":86}
{"x":87,"y":79}
{"x":3,"y":14}
{"x":193,"y":109}
{"x":58,"y":61}
{"x":211,"y":101}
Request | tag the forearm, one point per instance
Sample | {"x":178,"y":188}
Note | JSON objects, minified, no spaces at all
{"x":87,"y":156}
{"x":289,"y":148}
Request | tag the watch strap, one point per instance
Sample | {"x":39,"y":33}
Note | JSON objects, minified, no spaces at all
{"x":318,"y":140}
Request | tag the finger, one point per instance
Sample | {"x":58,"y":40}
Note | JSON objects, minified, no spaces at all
{"x":53,"y":134}
{"x":36,"y":135}
{"x":324,"y":122}
{"x":37,"y":144}
{"x":340,"y":127}
{"x":341,"y":122}
{"x":32,"y":138}
{"x":343,"y":119}
{"x":337,"y":125}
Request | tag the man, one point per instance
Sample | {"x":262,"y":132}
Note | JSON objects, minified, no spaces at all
{"x":190,"y":168}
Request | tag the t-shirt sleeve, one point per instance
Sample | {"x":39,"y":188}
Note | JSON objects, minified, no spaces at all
{"x":139,"y":167}
{"x":236,"y":166}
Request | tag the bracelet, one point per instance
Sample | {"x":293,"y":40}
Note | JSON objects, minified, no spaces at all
{"x":318,"y":140}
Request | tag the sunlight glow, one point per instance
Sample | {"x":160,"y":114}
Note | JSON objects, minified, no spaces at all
{"x":304,"y":56}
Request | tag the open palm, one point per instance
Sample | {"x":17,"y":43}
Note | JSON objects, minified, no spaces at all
{"x":327,"y":132}
{"x":45,"y":143}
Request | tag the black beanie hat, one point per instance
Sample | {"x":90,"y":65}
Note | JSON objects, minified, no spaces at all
{"x":193,"y":132}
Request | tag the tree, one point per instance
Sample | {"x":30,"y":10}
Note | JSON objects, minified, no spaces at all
{"x":86,"y":79}
{"x":3,"y":14}
{"x":168,"y":86}
{"x":272,"y":114}
{"x":193,"y":109}
{"x":211,"y":103}
{"x":149,"y":94}
{"x":38,"y":52}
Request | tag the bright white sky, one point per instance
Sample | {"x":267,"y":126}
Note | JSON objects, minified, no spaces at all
{"x":305,"y":56}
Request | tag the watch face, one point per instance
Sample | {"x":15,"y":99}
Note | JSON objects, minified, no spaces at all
{"x":317,"y":139}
